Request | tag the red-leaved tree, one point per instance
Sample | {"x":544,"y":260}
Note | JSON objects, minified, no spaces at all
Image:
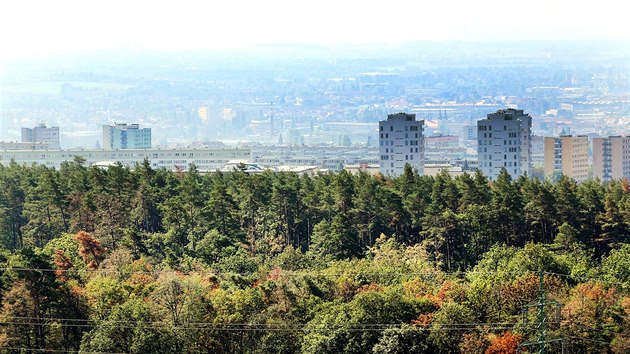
{"x":90,"y":249}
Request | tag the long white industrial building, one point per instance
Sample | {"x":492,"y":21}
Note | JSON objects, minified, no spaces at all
{"x":172,"y":159}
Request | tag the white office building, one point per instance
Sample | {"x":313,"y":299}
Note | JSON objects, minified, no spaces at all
{"x":123,"y":136}
{"x":42,"y":134}
{"x":401,"y":142}
{"x":504,"y":141}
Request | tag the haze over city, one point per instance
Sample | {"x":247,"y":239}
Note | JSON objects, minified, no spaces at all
{"x":316,"y":177}
{"x":34,"y":28}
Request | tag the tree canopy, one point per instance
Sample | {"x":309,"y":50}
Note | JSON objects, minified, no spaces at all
{"x":139,"y":260}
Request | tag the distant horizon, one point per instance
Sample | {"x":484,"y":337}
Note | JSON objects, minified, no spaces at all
{"x":338,"y":49}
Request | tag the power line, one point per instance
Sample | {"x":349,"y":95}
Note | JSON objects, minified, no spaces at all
{"x":242,"y":323}
{"x":56,"y":350}
{"x":577,"y":277}
{"x":256,"y":327}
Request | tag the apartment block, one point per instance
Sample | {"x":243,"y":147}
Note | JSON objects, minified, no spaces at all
{"x":567,"y":155}
{"x":123,"y":136}
{"x":611,"y":157}
{"x":42,"y":134}
{"x":401,"y":142}
{"x":504,"y":141}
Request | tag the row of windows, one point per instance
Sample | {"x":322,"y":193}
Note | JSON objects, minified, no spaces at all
{"x":391,"y":157}
{"x":413,"y":128}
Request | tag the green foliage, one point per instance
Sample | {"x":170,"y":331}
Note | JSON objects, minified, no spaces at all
{"x":333,"y":329}
{"x":338,"y":263}
{"x":128,"y":328}
{"x":449,"y":315}
{"x":616,"y":267}
{"x":405,"y":339}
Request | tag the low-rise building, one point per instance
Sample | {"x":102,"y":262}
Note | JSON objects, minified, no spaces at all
{"x":15,"y":145}
{"x":206,"y":160}
{"x":435,"y":169}
{"x":371,"y":169}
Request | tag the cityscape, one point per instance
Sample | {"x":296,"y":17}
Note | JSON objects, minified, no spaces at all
{"x":319,"y":115}
{"x":315,"y":177}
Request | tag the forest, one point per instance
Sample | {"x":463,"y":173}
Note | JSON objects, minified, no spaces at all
{"x":142,"y":260}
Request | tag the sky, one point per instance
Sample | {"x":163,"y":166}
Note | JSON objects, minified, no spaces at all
{"x":31,"y":29}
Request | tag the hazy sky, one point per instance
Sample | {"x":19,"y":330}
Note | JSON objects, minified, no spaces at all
{"x":35,"y":28}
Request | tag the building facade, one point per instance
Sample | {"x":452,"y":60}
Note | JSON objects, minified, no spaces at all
{"x":13,"y":145}
{"x":538,"y":150}
{"x":567,"y":155}
{"x":124,"y":136}
{"x":206,"y":160}
{"x":611,"y":157}
{"x":442,"y":142}
{"x":42,"y":134}
{"x":401,"y":142}
{"x":504,"y":141}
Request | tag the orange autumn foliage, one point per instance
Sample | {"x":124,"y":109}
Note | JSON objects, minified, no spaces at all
{"x":63,"y":264}
{"x":505,"y":344}
{"x":90,"y":249}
